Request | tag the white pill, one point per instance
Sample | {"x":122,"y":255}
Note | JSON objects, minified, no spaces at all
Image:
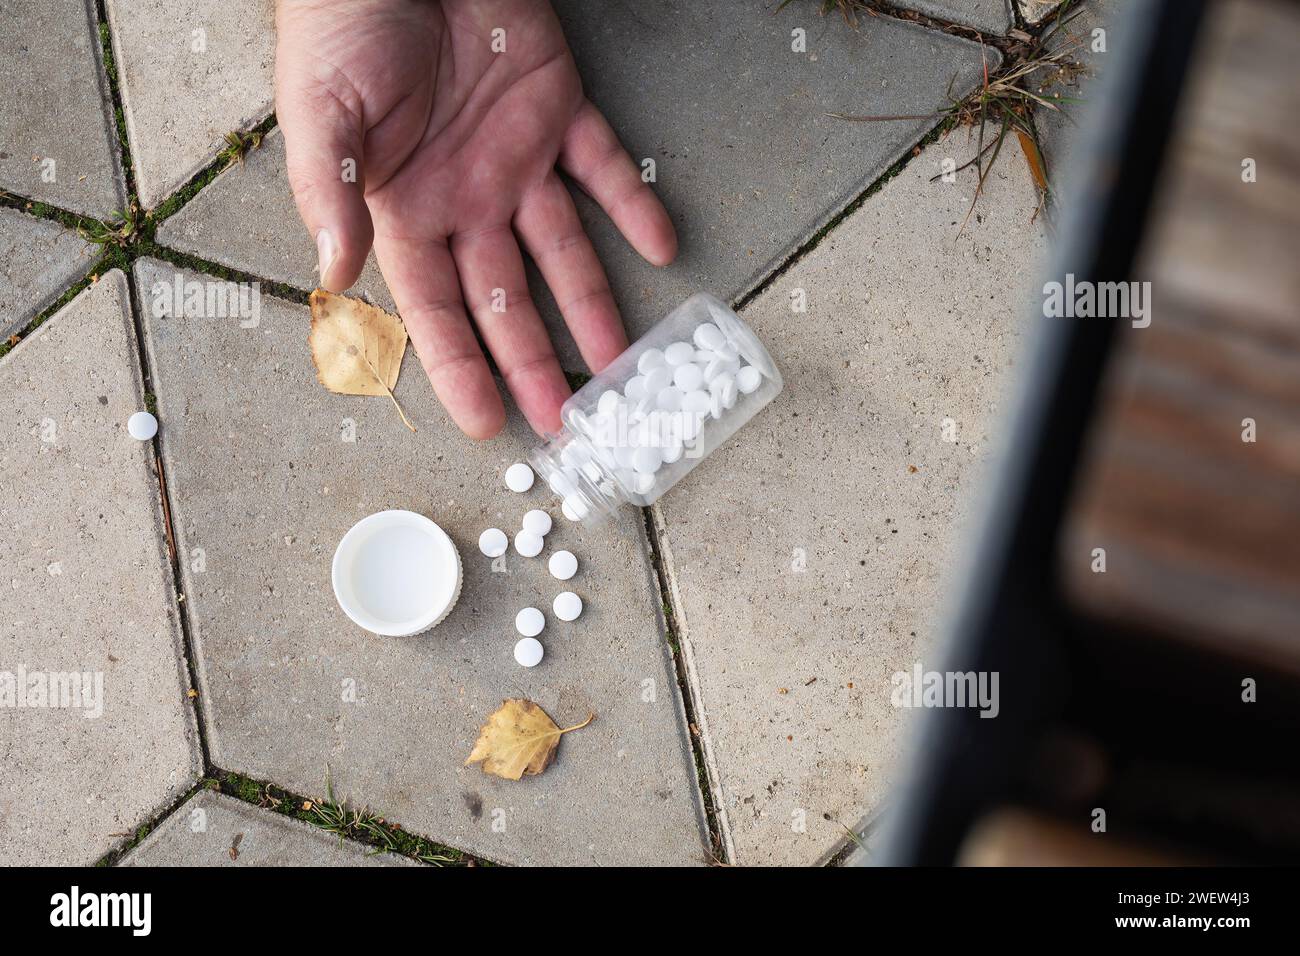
{"x":623,"y":455}
{"x":538,"y":522}
{"x":142,"y":426}
{"x":724,"y":386}
{"x":715,"y":403}
{"x":574,"y":508}
{"x":529,"y":622}
{"x":696,"y":402}
{"x":608,"y":402}
{"x":563,"y":565}
{"x":688,"y":377}
{"x":528,"y":544}
{"x":642,"y":483}
{"x":658,"y":379}
{"x":519,"y":477}
{"x":645,"y":405}
{"x":727,"y":352}
{"x":709,"y":336}
{"x":575,"y":456}
{"x":635,"y":388}
{"x":562,"y":483}
{"x":650,"y":358}
{"x":493,"y":542}
{"x":647,"y":460}
{"x":693,"y":422}
{"x":673,"y":452}
{"x":669,"y":399}
{"x":528,"y":652}
{"x":748,"y":379}
{"x":679,"y":353}
{"x":567,"y":606}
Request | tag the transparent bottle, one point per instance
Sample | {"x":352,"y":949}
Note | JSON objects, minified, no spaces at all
{"x":637,"y":428}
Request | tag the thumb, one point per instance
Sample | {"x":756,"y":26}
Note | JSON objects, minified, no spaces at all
{"x":323,"y":146}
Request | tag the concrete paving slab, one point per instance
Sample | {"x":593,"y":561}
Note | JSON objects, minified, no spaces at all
{"x":246,"y":219}
{"x":807,"y":558}
{"x":1089,"y":48}
{"x":58,"y":143}
{"x":39,"y":259}
{"x":190,"y":71}
{"x":990,"y":16}
{"x":268,"y":471}
{"x":89,"y":605}
{"x":1037,"y":11}
{"x":204,"y":829}
{"x":747,"y":161}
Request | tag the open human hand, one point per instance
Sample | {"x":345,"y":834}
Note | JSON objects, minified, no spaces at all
{"x":408,"y":126}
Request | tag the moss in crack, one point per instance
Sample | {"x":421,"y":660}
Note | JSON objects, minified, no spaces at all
{"x":345,"y":822}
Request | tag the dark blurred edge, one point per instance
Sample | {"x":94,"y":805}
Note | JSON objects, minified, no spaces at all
{"x":1010,"y":616}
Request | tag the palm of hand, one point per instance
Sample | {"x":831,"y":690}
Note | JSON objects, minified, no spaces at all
{"x":459,"y":144}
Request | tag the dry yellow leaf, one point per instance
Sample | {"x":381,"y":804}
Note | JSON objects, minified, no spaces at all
{"x":357,"y":349}
{"x":519,"y":738}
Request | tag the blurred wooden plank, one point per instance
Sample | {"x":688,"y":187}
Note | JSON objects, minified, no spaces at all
{"x":1011,"y":836}
{"x":1202,"y":529}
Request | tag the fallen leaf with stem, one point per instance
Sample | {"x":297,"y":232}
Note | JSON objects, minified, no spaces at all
{"x":519,"y":738}
{"x":357,"y":349}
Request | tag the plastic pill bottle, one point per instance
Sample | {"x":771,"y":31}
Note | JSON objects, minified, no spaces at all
{"x":640,"y":426}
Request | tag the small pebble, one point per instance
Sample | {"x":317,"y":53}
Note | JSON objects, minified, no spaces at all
{"x":709,"y":336}
{"x":679,"y":353}
{"x":519,"y":477}
{"x":493,"y":542}
{"x":529,"y":622}
{"x":567,"y":606}
{"x":528,"y":652}
{"x":748,"y":379}
{"x":537,"y":522}
{"x":528,"y":544}
{"x":563,"y":565}
{"x":142,"y":426}
{"x":688,"y":377}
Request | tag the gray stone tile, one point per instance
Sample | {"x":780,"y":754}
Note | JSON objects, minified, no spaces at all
{"x":246,"y":219}
{"x":1058,"y":129}
{"x":87,"y":589}
{"x":202,"y":831}
{"x":747,"y":161}
{"x":807,"y":557}
{"x":57,"y":141}
{"x":1037,"y":11}
{"x":991,"y":16}
{"x":265,"y":487}
{"x":190,"y":71}
{"x":38,"y":260}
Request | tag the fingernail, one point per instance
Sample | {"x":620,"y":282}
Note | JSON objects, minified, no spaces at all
{"x":327,"y":251}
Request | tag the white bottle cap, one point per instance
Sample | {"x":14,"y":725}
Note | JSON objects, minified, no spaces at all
{"x":396,"y":573}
